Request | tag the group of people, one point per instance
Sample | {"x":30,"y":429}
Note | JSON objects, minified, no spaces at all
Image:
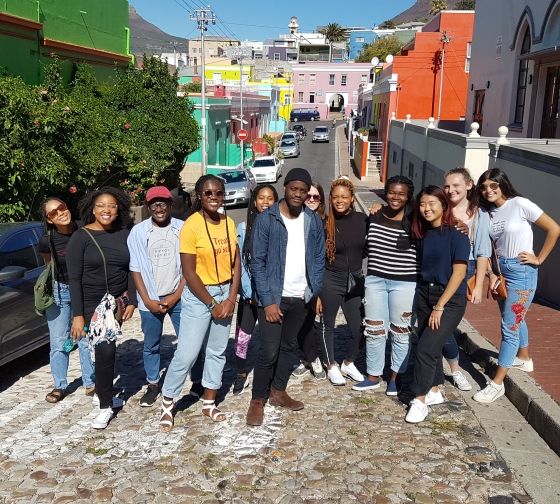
{"x":289,"y":268}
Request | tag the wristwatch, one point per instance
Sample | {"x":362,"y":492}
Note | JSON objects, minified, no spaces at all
{"x":211,"y":305}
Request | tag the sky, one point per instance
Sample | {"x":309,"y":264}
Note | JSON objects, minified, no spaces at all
{"x":262,"y":19}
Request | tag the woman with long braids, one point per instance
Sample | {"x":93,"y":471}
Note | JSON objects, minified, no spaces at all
{"x":345,"y":232}
{"x":100,"y":282}
{"x":52,"y":246}
{"x":211,"y":264}
{"x":263,"y":196}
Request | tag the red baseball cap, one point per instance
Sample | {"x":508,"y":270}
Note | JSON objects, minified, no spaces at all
{"x":158,"y":192}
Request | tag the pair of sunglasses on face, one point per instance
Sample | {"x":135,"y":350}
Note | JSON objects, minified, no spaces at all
{"x":313,"y":197}
{"x":56,"y":211}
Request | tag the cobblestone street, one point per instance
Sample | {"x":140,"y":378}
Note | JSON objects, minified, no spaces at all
{"x":343,"y":447}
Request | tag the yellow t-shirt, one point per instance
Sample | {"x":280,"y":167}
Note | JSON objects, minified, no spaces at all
{"x":193,"y":239}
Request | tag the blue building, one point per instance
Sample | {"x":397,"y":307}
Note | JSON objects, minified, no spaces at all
{"x":357,"y":40}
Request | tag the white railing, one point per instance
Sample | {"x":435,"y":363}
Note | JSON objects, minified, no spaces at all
{"x":375,"y":158}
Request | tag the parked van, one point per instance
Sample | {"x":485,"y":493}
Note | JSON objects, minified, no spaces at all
{"x":305,"y":114}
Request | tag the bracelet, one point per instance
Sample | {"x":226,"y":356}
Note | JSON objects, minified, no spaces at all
{"x":211,"y":305}
{"x":435,"y":308}
{"x":232,"y":303}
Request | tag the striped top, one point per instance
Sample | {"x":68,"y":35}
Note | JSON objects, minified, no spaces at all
{"x":391,"y":252}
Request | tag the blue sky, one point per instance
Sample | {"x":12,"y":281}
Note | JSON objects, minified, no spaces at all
{"x":258,"y":20}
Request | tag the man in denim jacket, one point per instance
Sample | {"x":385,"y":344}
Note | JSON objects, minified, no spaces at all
{"x":287,"y":265}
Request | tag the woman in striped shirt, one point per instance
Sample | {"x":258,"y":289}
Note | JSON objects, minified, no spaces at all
{"x":390,"y":284}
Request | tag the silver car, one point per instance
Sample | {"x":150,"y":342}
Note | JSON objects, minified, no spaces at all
{"x":320,"y":134}
{"x":289,"y":148}
{"x":238,"y":184}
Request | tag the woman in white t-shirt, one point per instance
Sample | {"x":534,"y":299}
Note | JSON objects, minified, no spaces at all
{"x":511,"y":219}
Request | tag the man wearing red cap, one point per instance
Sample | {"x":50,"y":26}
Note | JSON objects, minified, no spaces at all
{"x":156,"y":268}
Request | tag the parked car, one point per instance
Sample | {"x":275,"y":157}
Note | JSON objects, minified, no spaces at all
{"x":300,"y":130}
{"x":305,"y":114}
{"x":267,"y":169}
{"x":289,"y":148}
{"x":320,"y":134}
{"x":239,"y":185}
{"x":21,"y":329}
{"x":289,"y":135}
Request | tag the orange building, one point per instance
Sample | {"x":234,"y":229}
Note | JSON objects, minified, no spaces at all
{"x":428,"y":79}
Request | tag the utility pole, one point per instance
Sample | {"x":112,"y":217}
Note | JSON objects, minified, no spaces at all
{"x":203,"y":17}
{"x":444,"y":40}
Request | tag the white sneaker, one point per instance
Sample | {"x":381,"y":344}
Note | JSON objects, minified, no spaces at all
{"x":117,"y":402}
{"x":417,"y":412}
{"x":523,"y":365}
{"x":490,"y":393}
{"x":460,"y":381}
{"x":317,"y":366}
{"x":102,"y":419}
{"x":351,"y":371}
{"x":433,"y":398}
{"x":335,"y":376}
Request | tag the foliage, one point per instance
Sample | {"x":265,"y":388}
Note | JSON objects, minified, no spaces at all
{"x":380,"y":48}
{"x":387,"y":25}
{"x":270,"y":141}
{"x":333,"y":32}
{"x":192,"y":87}
{"x":465,"y":5}
{"x":131,"y":133}
{"x":437,"y":6}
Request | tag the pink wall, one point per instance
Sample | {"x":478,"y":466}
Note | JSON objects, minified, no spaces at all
{"x":356,"y":73}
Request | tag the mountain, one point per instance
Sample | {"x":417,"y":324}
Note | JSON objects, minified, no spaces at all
{"x":420,"y":11}
{"x":148,"y":38}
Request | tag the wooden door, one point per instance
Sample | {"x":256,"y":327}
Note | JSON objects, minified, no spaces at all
{"x":551,"y":110}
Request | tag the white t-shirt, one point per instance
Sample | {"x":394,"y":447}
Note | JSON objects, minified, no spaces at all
{"x":162,"y":250}
{"x":295,"y":280}
{"x":510,"y":226}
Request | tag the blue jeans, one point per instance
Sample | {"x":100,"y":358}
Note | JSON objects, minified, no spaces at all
{"x":197,"y":326}
{"x":388,"y":307}
{"x":59,"y":320}
{"x":521,"y":283}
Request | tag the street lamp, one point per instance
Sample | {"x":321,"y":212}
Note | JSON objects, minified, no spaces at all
{"x":445,"y":39}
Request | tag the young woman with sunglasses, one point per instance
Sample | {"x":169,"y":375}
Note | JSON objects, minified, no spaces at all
{"x":52,"y":246}
{"x":511,"y":220}
{"x":98,"y":260}
{"x":263,"y":196}
{"x":441,"y":294}
{"x":211,"y":265}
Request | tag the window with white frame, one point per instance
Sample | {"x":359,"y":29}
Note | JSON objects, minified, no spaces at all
{"x":301,"y":78}
{"x":300,"y":96}
{"x":343,"y":80}
{"x":312,"y":78}
{"x":287,"y":99}
{"x":364,"y":78}
{"x":468,"y":59}
{"x":276,"y":56}
{"x":360,"y":39}
{"x":331,"y":79}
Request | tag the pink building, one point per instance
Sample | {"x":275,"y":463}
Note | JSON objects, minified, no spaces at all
{"x":332,"y":88}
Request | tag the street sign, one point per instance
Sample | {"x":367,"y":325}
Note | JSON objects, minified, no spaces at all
{"x":242,"y":134}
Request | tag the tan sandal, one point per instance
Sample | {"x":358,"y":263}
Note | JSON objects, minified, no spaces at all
{"x":210,"y":410}
{"x":166,"y":420}
{"x":55,"y":395}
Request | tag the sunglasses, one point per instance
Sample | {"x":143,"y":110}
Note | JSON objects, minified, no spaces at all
{"x":217,"y":194}
{"x":313,"y":197}
{"x":57,"y":210}
{"x":159,"y":204}
{"x":492,"y":185}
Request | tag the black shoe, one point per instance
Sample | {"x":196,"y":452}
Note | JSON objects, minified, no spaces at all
{"x":149,"y":398}
{"x":196,"y":390}
{"x":239,"y":384}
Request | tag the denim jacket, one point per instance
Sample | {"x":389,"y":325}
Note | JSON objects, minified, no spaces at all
{"x":268,"y":259}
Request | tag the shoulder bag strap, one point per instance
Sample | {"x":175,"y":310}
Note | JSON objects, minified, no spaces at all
{"x":102,"y":256}
{"x":497,"y":258}
{"x":53,"y":256}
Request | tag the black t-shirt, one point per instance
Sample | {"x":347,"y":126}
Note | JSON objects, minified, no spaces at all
{"x":441,"y":247}
{"x":60,"y":243}
{"x":350,"y":240}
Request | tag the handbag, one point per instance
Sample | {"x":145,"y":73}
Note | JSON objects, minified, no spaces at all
{"x":499,"y":289}
{"x":43,"y":290}
{"x":355,"y":283}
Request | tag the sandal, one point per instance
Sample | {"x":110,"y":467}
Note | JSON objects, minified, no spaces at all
{"x":166,"y":419}
{"x":55,"y":395}
{"x":209,"y":409}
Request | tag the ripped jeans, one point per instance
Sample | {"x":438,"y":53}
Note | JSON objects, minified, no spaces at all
{"x":388,"y":308}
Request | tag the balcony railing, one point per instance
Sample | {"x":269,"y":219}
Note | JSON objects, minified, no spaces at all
{"x":314,"y":57}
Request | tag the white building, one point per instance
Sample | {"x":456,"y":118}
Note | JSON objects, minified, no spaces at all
{"x":515,"y":71}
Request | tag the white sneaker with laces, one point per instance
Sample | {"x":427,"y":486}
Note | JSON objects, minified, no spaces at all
{"x":117,"y":402}
{"x":460,"y":381}
{"x":433,"y":398}
{"x":335,"y":376}
{"x":351,"y":371}
{"x":490,"y":393}
{"x":417,"y":412}
{"x":523,"y":365}
{"x":317,"y":366}
{"x":102,"y":419}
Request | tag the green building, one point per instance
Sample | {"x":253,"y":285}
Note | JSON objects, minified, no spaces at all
{"x":33,"y":32}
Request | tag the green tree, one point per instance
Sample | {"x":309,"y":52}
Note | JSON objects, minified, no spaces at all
{"x":333,"y":32}
{"x":380,"y":48}
{"x":465,"y":5}
{"x":437,"y":6}
{"x":192,"y":87}
{"x":387,"y":25}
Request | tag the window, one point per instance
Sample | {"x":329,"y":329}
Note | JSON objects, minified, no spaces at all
{"x":364,"y":79}
{"x":468,"y":60}
{"x":331,"y":79}
{"x":287,"y":99}
{"x":360,"y":39}
{"x":300,"y":96}
{"x":276,"y":56}
{"x":311,"y":97}
{"x":522,"y":79}
{"x":312,"y":78}
{"x":301,"y":78}
{"x":343,"y":80}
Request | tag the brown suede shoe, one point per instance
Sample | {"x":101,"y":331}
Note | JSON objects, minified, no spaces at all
{"x":283,"y":400}
{"x":255,"y":414}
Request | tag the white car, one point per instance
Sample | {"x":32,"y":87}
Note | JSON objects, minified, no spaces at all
{"x":267,"y":169}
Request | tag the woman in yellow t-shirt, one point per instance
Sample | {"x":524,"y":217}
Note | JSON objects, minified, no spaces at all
{"x":211,"y":266}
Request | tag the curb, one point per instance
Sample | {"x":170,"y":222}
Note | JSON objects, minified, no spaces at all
{"x":537,"y":407}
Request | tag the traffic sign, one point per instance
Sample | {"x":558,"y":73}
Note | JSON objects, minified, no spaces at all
{"x":242,"y":134}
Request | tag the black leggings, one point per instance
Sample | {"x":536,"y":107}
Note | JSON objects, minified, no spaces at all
{"x":104,"y":372}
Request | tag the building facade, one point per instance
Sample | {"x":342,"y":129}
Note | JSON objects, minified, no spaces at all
{"x":214,"y":48}
{"x":357,"y":40}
